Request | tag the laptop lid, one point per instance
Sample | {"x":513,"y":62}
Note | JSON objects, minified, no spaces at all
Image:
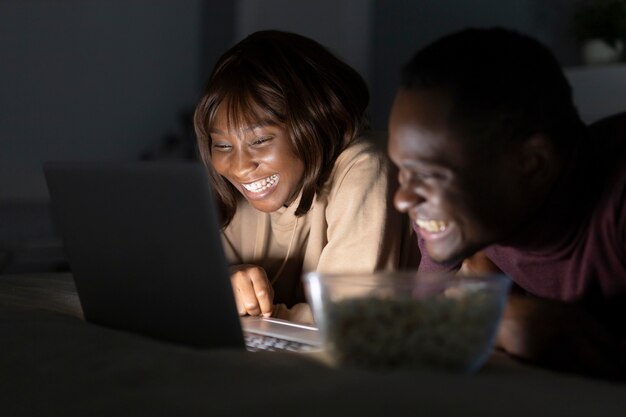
{"x":144,"y":247}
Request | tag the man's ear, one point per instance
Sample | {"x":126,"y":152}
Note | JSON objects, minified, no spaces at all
{"x":538,"y":158}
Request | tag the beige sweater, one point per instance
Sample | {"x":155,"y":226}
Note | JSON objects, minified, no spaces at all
{"x":352,"y":227}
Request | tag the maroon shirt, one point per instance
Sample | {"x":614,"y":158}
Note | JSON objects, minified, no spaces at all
{"x":590,"y":262}
{"x":577,"y":249}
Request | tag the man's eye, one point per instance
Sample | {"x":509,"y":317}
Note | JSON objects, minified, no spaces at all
{"x":422,"y":176}
{"x":408,"y":177}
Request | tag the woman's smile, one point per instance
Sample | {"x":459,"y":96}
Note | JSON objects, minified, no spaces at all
{"x":260,"y":188}
{"x":258,"y":159}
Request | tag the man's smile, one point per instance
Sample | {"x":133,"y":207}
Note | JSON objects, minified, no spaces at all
{"x":432,"y":226}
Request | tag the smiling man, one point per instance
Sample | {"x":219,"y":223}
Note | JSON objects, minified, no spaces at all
{"x":496,"y":165}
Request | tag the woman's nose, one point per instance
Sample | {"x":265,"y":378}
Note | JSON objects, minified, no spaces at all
{"x":244,"y":163}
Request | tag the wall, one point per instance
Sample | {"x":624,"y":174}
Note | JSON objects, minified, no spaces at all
{"x":91,"y":79}
{"x":378,"y":36}
{"x":84,"y":79}
{"x":402,"y":27}
{"x":108,"y":79}
{"x":599,"y":91}
{"x":95,"y":80}
{"x":341,"y":25}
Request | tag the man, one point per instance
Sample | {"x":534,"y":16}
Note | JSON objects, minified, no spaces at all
{"x":497,"y":169}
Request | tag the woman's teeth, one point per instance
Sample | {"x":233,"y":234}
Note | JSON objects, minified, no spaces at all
{"x":264,"y":184}
{"x":432,"y":226}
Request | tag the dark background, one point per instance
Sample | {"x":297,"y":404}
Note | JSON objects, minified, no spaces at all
{"x":110,"y":79}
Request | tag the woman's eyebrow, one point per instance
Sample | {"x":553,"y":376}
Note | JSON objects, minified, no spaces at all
{"x":262,"y":123}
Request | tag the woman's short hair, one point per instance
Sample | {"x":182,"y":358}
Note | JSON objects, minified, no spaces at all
{"x":298,"y":84}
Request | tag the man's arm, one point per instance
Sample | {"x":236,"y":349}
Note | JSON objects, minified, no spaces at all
{"x":561,"y":336}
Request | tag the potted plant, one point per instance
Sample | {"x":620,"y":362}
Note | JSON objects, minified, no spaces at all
{"x":600,"y":27}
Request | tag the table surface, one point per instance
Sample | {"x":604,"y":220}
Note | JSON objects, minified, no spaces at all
{"x":52,"y":362}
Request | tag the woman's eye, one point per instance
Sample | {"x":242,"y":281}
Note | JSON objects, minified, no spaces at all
{"x":221,"y":147}
{"x":261,"y":140}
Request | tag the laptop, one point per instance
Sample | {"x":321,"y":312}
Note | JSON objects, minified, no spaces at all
{"x":143,"y":242}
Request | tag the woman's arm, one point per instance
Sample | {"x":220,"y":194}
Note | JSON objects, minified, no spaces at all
{"x":364,"y":232}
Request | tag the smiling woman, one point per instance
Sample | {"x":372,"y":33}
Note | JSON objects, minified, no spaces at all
{"x":258,"y":161}
{"x":281,"y":128}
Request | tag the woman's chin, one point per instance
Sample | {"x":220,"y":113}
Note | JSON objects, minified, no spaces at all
{"x":266,"y":206}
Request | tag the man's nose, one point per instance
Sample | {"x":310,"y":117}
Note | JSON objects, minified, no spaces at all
{"x":407,"y":197}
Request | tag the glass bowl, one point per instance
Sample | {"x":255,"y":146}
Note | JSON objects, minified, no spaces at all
{"x":406,"y":319}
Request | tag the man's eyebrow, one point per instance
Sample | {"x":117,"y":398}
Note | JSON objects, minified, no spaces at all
{"x":262,"y":123}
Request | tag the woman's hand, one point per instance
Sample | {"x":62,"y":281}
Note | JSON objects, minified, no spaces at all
{"x":253,"y":291}
{"x":300,"y":313}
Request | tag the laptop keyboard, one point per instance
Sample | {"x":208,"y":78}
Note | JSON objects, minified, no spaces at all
{"x":256,"y":342}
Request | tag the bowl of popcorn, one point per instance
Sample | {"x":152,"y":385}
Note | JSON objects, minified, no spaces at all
{"x":406,"y":319}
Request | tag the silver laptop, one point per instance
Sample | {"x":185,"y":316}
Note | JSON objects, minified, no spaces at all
{"x":144,"y":247}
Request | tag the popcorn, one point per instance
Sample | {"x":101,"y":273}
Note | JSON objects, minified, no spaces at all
{"x":450,"y":330}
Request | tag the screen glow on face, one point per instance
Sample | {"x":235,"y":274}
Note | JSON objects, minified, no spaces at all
{"x":455,"y":203}
{"x":258,"y":160}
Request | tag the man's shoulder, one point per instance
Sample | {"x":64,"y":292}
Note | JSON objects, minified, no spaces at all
{"x":608,"y":144}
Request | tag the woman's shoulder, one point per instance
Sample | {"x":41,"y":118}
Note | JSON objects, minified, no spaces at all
{"x":370,"y":147}
{"x":363,"y":162}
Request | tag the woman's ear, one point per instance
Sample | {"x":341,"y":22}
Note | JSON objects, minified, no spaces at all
{"x":538,"y":159}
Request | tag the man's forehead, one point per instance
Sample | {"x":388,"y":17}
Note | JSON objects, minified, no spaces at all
{"x":422,"y":106}
{"x":419,"y":129}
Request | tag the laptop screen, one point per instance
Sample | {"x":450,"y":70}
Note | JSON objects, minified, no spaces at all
{"x":144,"y":247}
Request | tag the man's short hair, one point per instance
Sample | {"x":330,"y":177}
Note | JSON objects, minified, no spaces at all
{"x":501,"y":85}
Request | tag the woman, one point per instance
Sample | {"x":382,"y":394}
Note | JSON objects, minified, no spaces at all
{"x":280,"y":130}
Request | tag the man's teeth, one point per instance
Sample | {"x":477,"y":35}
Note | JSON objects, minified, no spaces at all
{"x":432,"y":226}
{"x":264,"y":184}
